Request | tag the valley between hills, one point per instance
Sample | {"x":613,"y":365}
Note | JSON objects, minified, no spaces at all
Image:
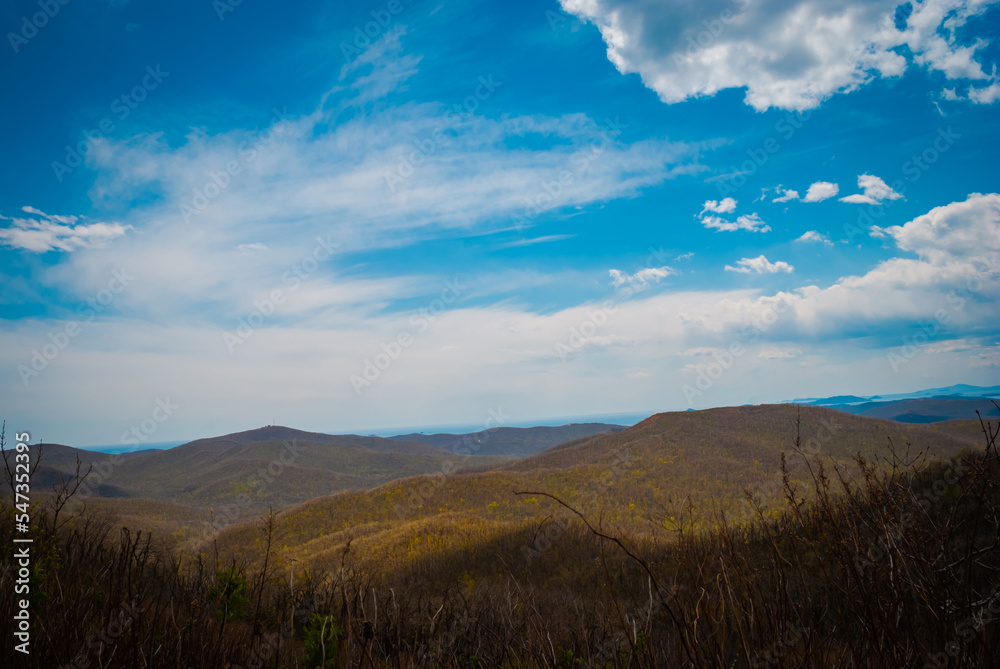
{"x":329,"y":488}
{"x":598,"y":535}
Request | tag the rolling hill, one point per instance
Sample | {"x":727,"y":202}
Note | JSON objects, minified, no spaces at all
{"x":271,"y":467}
{"x":671,"y":470}
{"x":631,"y":475}
{"x":278,"y":433}
{"x":58,"y":464}
{"x":510,"y":442}
{"x":475,"y":562}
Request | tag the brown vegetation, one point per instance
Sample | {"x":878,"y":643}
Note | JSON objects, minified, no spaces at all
{"x":892,"y":562}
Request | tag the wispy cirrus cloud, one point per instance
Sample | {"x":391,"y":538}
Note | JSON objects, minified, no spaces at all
{"x":40,"y":232}
{"x":323,"y":175}
{"x":255,"y":247}
{"x":545,"y":239}
{"x":336,"y":327}
{"x":780,"y":353}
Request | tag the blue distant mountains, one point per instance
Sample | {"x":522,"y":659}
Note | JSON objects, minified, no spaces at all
{"x":923,"y":406}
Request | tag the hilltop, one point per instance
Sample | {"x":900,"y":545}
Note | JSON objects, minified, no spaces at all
{"x":271,"y":467}
{"x":273,"y":433}
{"x":637,"y":476}
{"x":511,"y":442}
{"x":671,"y":468}
{"x":477,"y":566}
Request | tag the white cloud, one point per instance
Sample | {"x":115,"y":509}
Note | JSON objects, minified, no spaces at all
{"x":779,"y":353}
{"x":988,"y":358}
{"x":813,"y":236}
{"x":957,"y":270}
{"x":50,"y":232}
{"x":874,"y":191}
{"x":787,"y":54}
{"x":958,"y":231}
{"x":760,"y":265}
{"x":985,"y":96}
{"x":847,"y":327}
{"x":821,"y":190}
{"x":324,"y":175}
{"x":535,"y":240}
{"x":702,"y":351}
{"x":641,"y":278}
{"x":726,"y":206}
{"x":389,"y":68}
{"x":786,"y":195}
{"x":751,"y":222}
{"x":982,"y":95}
{"x":255,"y":247}
{"x":931,"y":34}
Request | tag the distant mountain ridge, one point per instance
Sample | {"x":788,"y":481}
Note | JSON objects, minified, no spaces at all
{"x":280,"y":433}
{"x":650,"y":471}
{"x":924,"y":406}
{"x":280,"y":466}
{"x":525,"y":441}
{"x":217,"y":470}
{"x":270,"y":466}
{"x":231,"y":479}
{"x":962,"y":390}
{"x":512,"y":442}
{"x":929,"y":410}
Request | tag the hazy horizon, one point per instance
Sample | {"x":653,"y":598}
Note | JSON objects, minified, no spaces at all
{"x":494,"y":419}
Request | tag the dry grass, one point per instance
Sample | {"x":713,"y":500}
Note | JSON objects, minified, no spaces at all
{"x":896,"y":566}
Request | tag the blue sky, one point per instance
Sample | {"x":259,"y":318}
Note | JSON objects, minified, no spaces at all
{"x":258,"y":212}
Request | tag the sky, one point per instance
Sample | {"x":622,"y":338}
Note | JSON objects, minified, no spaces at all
{"x":353,"y":216}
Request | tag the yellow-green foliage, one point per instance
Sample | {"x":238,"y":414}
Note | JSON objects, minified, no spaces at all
{"x":672,"y":472}
{"x":883,"y":564}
